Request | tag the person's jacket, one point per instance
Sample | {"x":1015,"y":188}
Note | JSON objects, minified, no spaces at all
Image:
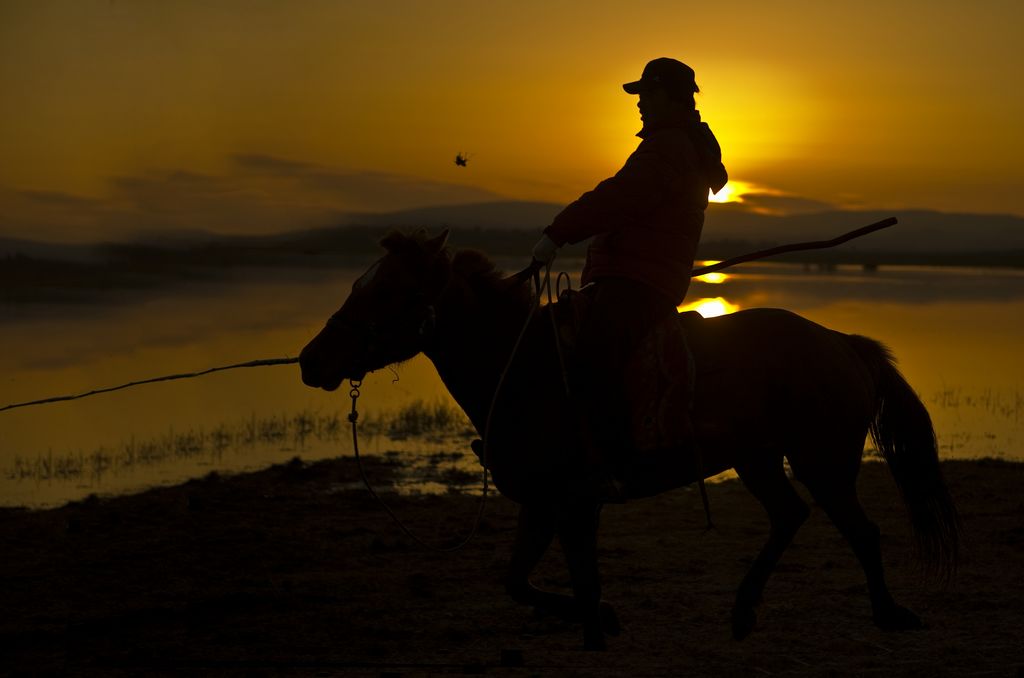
{"x":647,"y":219}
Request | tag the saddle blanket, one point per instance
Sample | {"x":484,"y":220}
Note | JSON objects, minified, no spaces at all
{"x":658,"y":378}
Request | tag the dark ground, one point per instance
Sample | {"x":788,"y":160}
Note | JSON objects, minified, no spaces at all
{"x":291,"y":572}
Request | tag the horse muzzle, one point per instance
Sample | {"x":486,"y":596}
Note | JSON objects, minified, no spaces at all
{"x":321,"y":374}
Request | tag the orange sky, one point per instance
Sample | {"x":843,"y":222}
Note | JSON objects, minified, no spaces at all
{"x":272,"y":113}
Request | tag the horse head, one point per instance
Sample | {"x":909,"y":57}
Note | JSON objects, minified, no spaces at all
{"x":388,"y":317}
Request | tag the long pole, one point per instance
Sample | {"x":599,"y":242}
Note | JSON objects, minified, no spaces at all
{"x":795,"y":247}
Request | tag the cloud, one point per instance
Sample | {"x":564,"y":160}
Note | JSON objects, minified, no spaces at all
{"x":259,"y":194}
{"x":60,"y":200}
{"x":269,"y":163}
{"x":748,"y":196}
{"x":783,"y":204}
{"x":365,"y":191}
{"x":56,"y":216}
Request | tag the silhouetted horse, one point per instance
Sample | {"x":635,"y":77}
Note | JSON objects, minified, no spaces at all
{"x":782,"y":387}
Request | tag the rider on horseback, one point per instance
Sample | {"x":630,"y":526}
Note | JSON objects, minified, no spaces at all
{"x":645,"y":221}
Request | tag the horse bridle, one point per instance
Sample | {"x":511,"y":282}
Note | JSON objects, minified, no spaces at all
{"x":370,"y":334}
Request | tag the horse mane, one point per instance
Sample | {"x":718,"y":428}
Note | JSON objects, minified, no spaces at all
{"x":484,"y":277}
{"x":473,"y":266}
{"x":398,"y":241}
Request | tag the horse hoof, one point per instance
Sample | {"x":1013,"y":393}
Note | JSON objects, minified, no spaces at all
{"x":743,"y":621}
{"x":609,"y":620}
{"x":897,"y":618}
{"x":592,"y":644}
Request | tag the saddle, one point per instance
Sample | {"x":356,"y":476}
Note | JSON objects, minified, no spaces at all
{"x":659,"y":375}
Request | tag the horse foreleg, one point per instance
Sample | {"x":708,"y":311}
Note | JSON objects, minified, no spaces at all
{"x":534,"y":534}
{"x":786,"y":513}
{"x":577,"y":531}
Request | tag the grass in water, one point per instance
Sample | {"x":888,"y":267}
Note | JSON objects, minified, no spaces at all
{"x":419,"y":419}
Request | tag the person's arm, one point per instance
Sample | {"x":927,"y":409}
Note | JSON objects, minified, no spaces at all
{"x":634,"y":191}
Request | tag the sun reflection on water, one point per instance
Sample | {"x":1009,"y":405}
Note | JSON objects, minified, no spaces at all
{"x":711,"y":278}
{"x":710,"y":307}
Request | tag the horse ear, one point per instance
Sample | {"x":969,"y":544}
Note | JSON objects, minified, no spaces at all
{"x":435,"y":244}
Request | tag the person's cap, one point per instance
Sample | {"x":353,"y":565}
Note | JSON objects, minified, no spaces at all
{"x":675,"y":76}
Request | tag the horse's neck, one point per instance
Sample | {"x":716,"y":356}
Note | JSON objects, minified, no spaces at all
{"x":472,"y":345}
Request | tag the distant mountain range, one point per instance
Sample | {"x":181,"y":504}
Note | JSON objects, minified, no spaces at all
{"x":921,"y":231}
{"x":509,"y":227}
{"x":917,"y":231}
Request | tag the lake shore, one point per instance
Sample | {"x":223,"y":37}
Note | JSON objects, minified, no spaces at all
{"x":296,"y":570}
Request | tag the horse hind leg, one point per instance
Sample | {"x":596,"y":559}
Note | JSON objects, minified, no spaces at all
{"x":534,"y":534}
{"x":767,"y":481}
{"x":839,"y":501}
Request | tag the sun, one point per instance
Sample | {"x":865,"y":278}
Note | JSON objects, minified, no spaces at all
{"x":727,"y":194}
{"x":733,"y":191}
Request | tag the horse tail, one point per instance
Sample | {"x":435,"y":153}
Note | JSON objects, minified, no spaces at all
{"x":903,"y":433}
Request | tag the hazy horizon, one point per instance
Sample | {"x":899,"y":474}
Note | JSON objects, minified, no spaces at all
{"x":274,"y":196}
{"x":757,"y":221}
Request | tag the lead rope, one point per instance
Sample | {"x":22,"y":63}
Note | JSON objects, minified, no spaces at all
{"x":353,"y":418}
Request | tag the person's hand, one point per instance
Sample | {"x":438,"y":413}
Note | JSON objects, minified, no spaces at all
{"x":544,"y":251}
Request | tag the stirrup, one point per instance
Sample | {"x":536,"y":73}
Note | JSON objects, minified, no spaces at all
{"x":600,"y":484}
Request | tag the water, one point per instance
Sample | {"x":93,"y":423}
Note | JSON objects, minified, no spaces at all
{"x":957,"y":333}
